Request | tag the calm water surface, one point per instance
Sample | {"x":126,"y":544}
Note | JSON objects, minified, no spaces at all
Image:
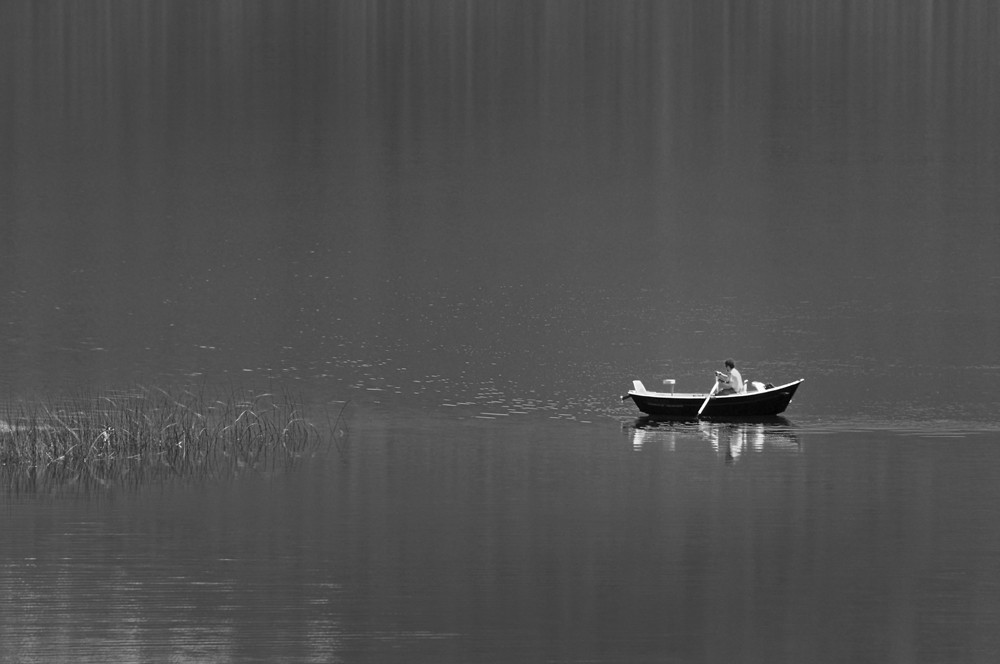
{"x":475,"y":224}
{"x":533,"y":541}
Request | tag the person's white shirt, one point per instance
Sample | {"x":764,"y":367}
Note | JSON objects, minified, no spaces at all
{"x":733,"y":380}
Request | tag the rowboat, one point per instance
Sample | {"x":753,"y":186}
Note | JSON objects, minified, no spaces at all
{"x":757,"y":401}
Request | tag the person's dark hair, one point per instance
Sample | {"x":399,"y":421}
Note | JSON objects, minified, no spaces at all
{"x":730,"y":364}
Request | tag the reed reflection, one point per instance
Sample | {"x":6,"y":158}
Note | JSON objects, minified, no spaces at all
{"x":729,"y":440}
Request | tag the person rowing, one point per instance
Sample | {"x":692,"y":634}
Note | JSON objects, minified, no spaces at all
{"x":730,"y":381}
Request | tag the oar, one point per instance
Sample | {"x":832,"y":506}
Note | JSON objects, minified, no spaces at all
{"x":705,"y":402}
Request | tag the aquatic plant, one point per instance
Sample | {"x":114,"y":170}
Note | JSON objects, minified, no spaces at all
{"x":131,"y":437}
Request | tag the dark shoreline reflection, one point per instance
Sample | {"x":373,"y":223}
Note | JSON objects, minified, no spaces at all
{"x":729,"y":439}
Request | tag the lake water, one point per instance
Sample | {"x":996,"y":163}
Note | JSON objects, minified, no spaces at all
{"x":475,"y":224}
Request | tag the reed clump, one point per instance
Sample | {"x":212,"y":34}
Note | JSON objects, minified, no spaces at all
{"x":144,"y":433}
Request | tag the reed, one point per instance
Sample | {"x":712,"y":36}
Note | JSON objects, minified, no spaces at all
{"x":134,"y":436}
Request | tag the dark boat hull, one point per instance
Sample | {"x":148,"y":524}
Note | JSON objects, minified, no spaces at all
{"x":766,"y":403}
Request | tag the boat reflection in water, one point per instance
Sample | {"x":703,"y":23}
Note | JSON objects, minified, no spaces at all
{"x":729,"y":440}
